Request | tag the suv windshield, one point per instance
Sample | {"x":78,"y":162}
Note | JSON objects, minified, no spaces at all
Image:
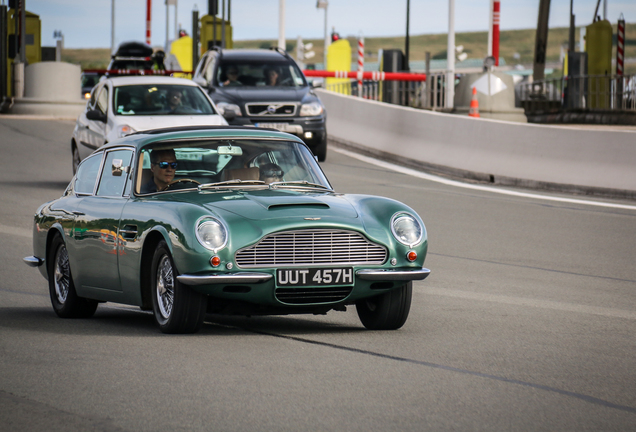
{"x":154,"y":99}
{"x":259,"y":73}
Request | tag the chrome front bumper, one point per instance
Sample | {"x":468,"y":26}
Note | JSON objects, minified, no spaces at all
{"x":33,"y":261}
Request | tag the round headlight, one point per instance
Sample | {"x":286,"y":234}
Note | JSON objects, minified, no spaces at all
{"x":406,"y":229}
{"x":211,"y":234}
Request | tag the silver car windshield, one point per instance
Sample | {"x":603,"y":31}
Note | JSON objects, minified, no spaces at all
{"x":153,"y":99}
{"x":228,"y":164}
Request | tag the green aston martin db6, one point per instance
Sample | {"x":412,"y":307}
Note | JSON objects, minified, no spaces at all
{"x":223,"y":220}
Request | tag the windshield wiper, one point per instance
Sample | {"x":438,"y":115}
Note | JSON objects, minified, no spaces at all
{"x":234,"y":182}
{"x":299,"y":183}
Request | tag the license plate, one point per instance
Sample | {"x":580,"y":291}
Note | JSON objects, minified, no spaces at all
{"x":283,"y":127}
{"x":314,"y":277}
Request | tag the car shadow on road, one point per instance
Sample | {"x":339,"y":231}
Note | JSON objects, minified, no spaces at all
{"x":115,"y":320}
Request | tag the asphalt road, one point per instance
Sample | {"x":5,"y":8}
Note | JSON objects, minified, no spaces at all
{"x":528,"y":322}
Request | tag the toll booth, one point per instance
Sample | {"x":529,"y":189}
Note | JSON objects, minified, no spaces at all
{"x":598,"y":44}
{"x":33,"y":44}
{"x":212,"y":33}
{"x":339,"y":59}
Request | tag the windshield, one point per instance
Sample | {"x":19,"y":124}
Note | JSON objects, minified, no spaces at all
{"x":259,"y":74}
{"x":152,"y":99}
{"x":223,"y":164}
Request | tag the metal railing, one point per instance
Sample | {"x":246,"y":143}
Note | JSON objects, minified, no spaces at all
{"x":585,"y":93}
{"x":429,"y":94}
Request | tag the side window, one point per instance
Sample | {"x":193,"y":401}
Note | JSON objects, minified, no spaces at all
{"x":210,"y":68}
{"x":94,"y":93}
{"x":115,"y":173}
{"x":102,"y":100}
{"x":87,"y":175}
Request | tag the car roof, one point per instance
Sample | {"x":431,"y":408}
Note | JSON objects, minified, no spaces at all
{"x":145,"y":79}
{"x":143,"y":138}
{"x":253,"y":54}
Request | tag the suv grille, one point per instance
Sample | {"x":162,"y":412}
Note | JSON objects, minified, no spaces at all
{"x":311,"y":247}
{"x":272,"y":109}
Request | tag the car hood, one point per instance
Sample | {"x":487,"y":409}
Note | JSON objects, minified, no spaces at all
{"x":141,"y":123}
{"x":279,"y":204}
{"x":262,"y":94}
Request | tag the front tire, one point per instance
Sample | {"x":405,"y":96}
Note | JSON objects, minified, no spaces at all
{"x":387,"y":311}
{"x":320,"y":151}
{"x":177,"y":307}
{"x":65,"y":301}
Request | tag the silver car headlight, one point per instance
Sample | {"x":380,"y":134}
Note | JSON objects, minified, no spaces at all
{"x":311,"y":109}
{"x":211,"y":233}
{"x":406,"y":229}
{"x":123,"y":130}
{"x":224,"y":106}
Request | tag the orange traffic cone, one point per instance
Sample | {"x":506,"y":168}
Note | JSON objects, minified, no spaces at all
{"x":474,"y":105}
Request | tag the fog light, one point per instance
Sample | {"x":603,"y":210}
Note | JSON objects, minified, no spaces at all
{"x":309,"y":135}
{"x":215,"y":261}
{"x":411,"y":256}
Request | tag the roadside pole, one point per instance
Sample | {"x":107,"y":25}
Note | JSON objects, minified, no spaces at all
{"x":450,"y":57}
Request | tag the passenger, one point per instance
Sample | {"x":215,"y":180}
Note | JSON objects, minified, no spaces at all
{"x":174,"y":100}
{"x":272,"y":75}
{"x":270,"y":173}
{"x":163,"y":164}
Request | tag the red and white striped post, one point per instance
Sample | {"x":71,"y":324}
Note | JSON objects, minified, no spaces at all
{"x":495,"y":31}
{"x":620,"y":45}
{"x":360,"y":64}
{"x":148,"y":14}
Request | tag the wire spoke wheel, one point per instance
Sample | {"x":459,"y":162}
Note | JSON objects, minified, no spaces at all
{"x":62,"y":274}
{"x":165,"y":287}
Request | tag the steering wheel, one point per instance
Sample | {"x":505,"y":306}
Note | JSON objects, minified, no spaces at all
{"x":286,"y":81}
{"x":185,"y":180}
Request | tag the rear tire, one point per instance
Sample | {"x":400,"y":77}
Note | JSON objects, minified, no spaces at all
{"x":320,"y":151}
{"x":177,"y":307}
{"x":387,"y":311}
{"x":65,"y":301}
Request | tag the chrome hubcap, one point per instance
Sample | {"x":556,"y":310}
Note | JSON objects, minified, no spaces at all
{"x":165,"y":287}
{"x":62,"y":275}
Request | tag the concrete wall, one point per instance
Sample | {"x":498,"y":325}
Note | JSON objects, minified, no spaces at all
{"x":51,"y":88}
{"x":600,"y":162}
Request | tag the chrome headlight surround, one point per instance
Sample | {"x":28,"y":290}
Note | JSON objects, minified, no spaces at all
{"x":311,"y":109}
{"x":211,"y":233}
{"x":225,"y":106}
{"x":406,"y":229}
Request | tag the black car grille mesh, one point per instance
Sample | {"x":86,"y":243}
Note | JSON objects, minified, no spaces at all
{"x":312,"y":295}
{"x":311,"y":247}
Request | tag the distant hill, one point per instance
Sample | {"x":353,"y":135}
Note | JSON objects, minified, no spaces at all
{"x":512,"y":42}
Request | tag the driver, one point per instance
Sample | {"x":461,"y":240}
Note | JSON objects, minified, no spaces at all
{"x":270,"y":173}
{"x":163,"y":164}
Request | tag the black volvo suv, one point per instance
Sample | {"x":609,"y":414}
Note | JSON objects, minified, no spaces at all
{"x":264,"y":88}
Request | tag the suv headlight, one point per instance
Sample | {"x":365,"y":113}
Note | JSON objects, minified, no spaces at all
{"x":311,"y":109}
{"x":224,"y":106}
{"x":211,"y":233}
{"x":406,"y":229}
{"x":123,"y":130}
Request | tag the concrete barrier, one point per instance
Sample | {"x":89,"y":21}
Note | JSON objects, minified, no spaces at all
{"x":51,"y":88}
{"x":591,"y":162}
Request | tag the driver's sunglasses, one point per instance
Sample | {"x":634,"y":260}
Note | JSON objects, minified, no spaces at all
{"x":165,"y":165}
{"x":273,"y":173}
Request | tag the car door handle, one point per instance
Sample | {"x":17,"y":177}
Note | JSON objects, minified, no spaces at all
{"x":79,"y":213}
{"x":128,"y":232}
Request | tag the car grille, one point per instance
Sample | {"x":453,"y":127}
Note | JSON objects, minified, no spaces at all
{"x":312,"y":295}
{"x":311,"y":247}
{"x":272,"y":109}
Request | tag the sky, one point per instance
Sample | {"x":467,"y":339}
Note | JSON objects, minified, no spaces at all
{"x":87,"y":23}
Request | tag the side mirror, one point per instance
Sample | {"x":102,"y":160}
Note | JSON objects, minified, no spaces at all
{"x":229,"y":115}
{"x":317,"y":83}
{"x":96,"y":115}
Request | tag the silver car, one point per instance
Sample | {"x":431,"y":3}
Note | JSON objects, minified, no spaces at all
{"x":119,"y":106}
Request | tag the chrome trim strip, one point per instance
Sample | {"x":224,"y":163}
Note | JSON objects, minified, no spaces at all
{"x":224,"y":278}
{"x":33,"y":261}
{"x":393,"y":275}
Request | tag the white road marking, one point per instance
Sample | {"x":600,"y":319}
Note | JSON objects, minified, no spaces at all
{"x":4,"y":229}
{"x":456,"y":183}
{"x":519,"y":301}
